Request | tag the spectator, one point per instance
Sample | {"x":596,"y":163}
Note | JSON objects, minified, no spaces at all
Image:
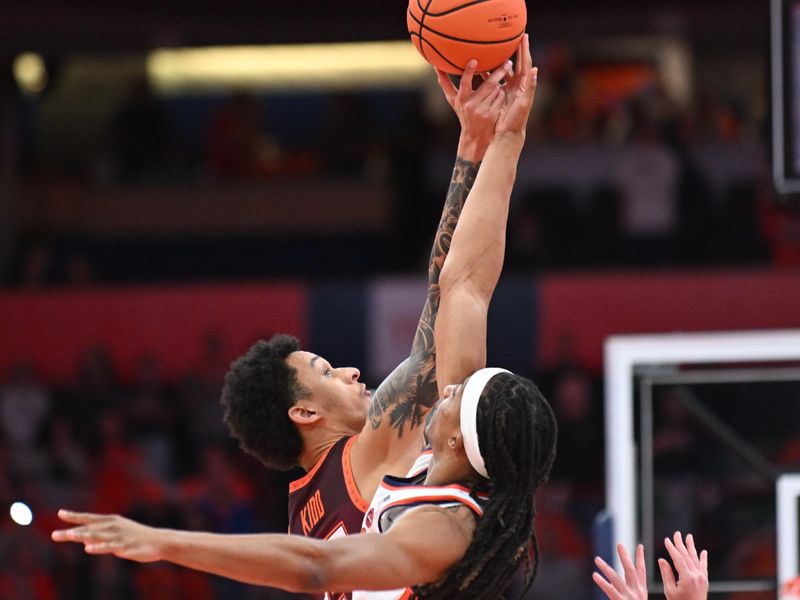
{"x":646,"y":172}
{"x":95,"y":392}
{"x":781,"y":225}
{"x":25,"y":574}
{"x":221,"y":494}
{"x":140,"y":136}
{"x":222,"y":500}
{"x":346,"y":138}
{"x":78,"y":271}
{"x":25,"y":405}
{"x":108,"y":580}
{"x":565,"y":551}
{"x":151,"y":418}
{"x":119,"y":469}
{"x":239,"y":146}
{"x":580,"y":445}
{"x":68,"y":466}
{"x":676,"y":443}
{"x":200,"y":390}
{"x":38,"y":269}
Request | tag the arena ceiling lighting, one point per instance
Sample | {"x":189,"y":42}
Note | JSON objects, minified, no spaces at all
{"x":30,"y":72}
{"x":287,"y":67}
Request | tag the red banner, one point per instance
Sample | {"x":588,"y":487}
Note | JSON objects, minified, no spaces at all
{"x":578,"y":312}
{"x":53,"y":328}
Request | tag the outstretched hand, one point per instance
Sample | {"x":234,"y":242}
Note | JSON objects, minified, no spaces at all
{"x":111,"y":534}
{"x":633,"y":587}
{"x":477,"y":109}
{"x":520,"y":92}
{"x":692,"y":582}
{"x":692,"y":568}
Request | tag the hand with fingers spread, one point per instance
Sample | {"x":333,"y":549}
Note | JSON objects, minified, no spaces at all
{"x":692,"y":568}
{"x":520,"y":90}
{"x":633,"y":587}
{"x":477,"y":109}
{"x":112,"y":534}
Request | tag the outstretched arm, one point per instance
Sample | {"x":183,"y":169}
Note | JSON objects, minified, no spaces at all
{"x":402,"y":400}
{"x":473,"y":266}
{"x":418,"y":549}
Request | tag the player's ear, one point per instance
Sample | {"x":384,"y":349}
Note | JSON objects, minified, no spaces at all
{"x":302,"y":415}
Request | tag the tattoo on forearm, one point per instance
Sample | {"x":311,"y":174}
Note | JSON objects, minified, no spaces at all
{"x":411,"y":389}
{"x":461,"y":183}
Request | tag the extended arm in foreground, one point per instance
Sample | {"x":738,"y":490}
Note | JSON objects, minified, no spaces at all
{"x":418,"y":549}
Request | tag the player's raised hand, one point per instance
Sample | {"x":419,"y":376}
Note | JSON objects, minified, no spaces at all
{"x":477,"y":108}
{"x":692,"y":582}
{"x":111,"y":534}
{"x":633,"y":587}
{"x":520,"y":92}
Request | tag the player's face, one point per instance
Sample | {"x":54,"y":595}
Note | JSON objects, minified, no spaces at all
{"x":336,"y":394}
{"x":445,"y":422}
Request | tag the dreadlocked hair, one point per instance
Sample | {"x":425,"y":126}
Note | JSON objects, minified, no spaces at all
{"x":517,"y":437}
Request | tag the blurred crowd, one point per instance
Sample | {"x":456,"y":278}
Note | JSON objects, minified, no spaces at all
{"x":158,"y":451}
{"x":611,"y":177}
{"x":617,"y":171}
{"x":715,"y":463}
{"x":153,"y":450}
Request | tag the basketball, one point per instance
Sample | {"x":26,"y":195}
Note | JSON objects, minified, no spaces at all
{"x":448,"y":33}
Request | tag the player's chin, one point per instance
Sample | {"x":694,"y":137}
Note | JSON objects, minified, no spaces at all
{"x":362,"y":413}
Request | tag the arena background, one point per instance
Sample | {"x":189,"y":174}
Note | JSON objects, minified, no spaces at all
{"x":150,"y":230}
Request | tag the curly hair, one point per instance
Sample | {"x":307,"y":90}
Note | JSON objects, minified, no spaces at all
{"x":259,"y":389}
{"x":517,"y":436}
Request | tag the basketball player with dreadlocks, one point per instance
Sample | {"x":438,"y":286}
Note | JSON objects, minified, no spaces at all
{"x":492,"y":441}
{"x":290,"y":407}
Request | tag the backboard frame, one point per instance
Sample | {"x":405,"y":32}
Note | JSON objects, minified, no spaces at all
{"x":623,"y":355}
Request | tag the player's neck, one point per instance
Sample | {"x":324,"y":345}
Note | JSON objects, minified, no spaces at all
{"x":446,"y":474}
{"x":313,"y":451}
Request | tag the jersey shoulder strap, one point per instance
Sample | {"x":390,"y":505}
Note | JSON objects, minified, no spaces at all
{"x":399,"y":496}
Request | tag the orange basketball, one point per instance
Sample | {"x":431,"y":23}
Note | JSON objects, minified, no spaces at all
{"x":448,"y":33}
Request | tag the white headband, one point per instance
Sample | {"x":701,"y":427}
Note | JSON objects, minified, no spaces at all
{"x":469,"y":416}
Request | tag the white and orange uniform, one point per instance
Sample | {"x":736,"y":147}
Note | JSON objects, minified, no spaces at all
{"x":397,"y":495}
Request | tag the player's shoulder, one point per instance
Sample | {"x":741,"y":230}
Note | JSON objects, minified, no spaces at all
{"x":460,"y":517}
{"x":329,"y":465}
{"x":436,"y":530}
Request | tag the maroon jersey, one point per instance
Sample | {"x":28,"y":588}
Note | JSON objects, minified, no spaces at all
{"x":326,"y":503}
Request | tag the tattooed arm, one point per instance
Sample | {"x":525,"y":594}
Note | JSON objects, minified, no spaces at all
{"x":400,"y":403}
{"x":478,"y":246}
{"x":405,"y":396}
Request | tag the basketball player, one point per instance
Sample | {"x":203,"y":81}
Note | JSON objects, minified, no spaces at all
{"x":291,"y":407}
{"x":692,"y":568}
{"x":493,"y":435}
